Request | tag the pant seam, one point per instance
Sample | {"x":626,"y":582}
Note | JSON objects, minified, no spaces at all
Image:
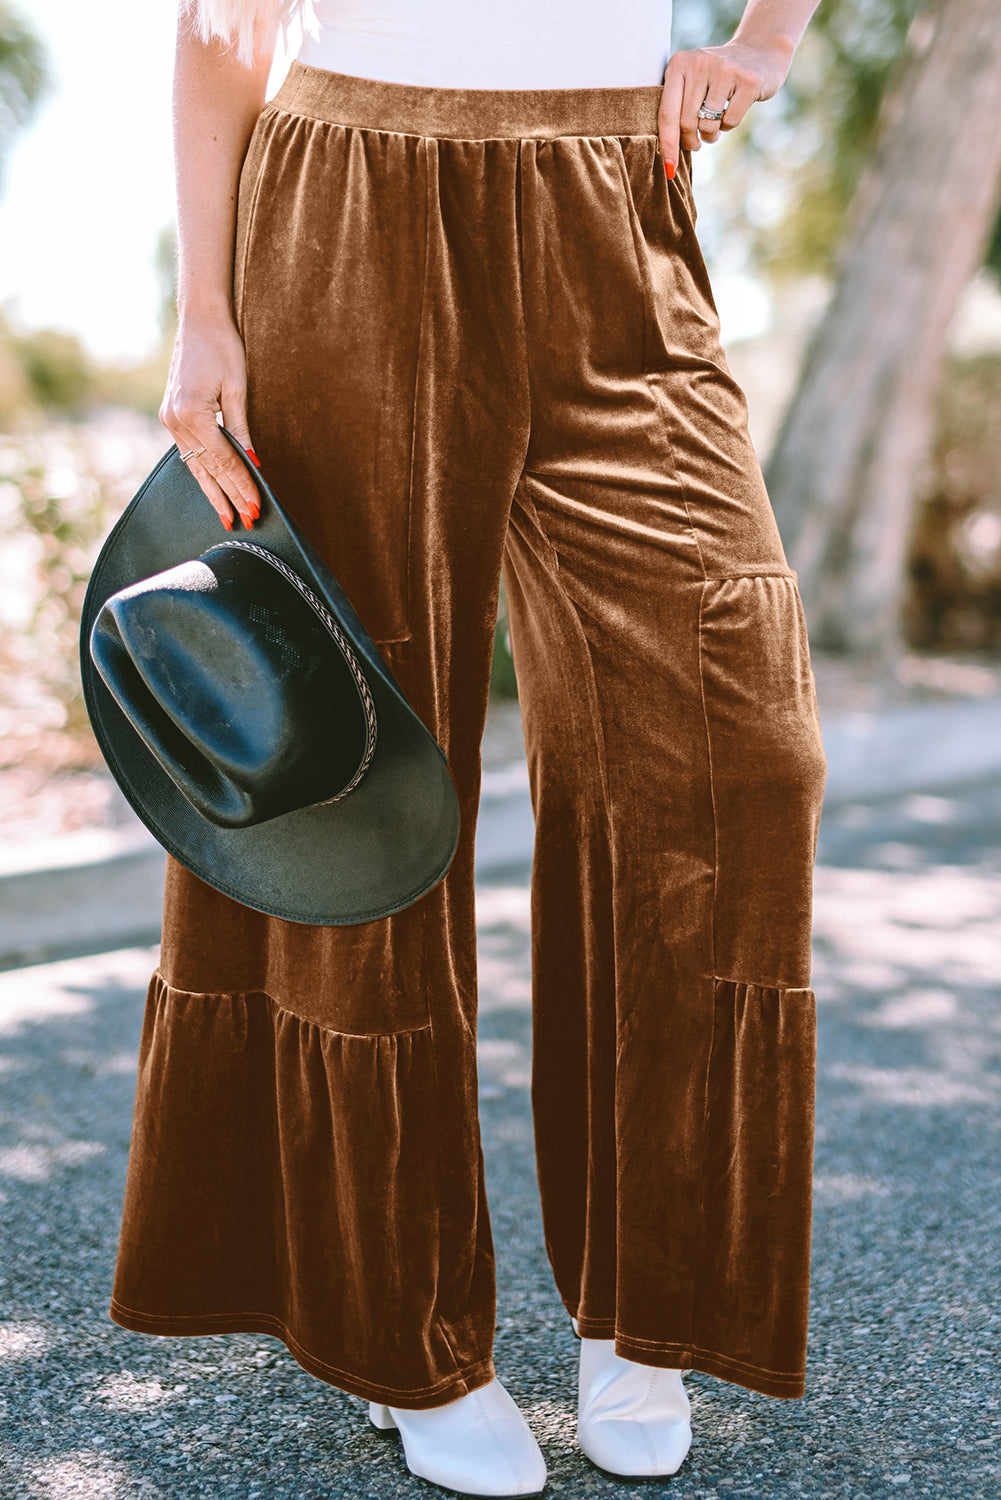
{"x":661,"y":401}
{"x":768,"y":571}
{"x":277,"y":1009}
{"x":693,"y":1307}
{"x":529,"y":505}
{"x":418,"y":370}
{"x":709,"y":758}
{"x":439,"y":1176}
{"x":762,"y":984}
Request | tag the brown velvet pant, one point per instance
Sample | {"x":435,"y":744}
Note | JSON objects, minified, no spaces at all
{"x":481,"y":342}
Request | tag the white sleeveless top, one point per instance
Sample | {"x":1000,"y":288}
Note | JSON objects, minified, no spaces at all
{"x":492,"y":44}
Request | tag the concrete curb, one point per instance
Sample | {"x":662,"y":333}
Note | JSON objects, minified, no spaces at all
{"x":922,"y":747}
{"x":84,"y":893}
{"x":96,"y":891}
{"x":103,"y":889}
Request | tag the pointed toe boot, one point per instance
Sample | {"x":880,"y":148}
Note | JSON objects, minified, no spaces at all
{"x":479,"y":1444}
{"x":632,"y":1420}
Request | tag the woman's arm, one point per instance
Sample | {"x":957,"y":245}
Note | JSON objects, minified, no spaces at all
{"x":216,"y":104}
{"x":752,"y":65}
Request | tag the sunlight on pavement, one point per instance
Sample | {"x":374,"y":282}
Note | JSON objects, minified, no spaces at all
{"x":33,"y":1162}
{"x":124,"y":1391}
{"x":917,"y":1086}
{"x":915,"y":1008}
{"x":881,"y":927}
{"x":916,"y":955}
{"x":843,"y":1187}
{"x":23,"y":1340}
{"x":44,"y":992}
{"x":88,"y":1476}
{"x":502,"y":904}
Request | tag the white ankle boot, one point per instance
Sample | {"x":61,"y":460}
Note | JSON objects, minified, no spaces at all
{"x":479,"y":1444}
{"x":632,"y":1420}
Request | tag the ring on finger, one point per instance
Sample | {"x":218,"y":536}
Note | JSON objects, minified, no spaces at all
{"x":192,"y":453}
{"x":705,"y":113}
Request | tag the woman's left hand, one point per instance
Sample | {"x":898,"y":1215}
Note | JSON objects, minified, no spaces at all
{"x":741,"y":72}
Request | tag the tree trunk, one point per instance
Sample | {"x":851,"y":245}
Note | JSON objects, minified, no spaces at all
{"x":843,"y":471}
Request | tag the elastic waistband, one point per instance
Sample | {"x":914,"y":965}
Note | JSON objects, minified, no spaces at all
{"x":466,"y":114}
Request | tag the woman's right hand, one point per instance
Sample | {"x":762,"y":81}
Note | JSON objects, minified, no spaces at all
{"x":208,"y":373}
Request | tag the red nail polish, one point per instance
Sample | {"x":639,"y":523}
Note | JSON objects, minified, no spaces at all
{"x":253,"y":457}
{"x":669,"y":168}
{"x":226,"y":522}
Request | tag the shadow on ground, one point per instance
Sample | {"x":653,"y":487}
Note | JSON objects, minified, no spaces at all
{"x":901,"y":1385}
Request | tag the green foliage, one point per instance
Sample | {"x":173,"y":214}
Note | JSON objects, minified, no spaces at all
{"x":503,"y":682}
{"x":47,"y":373}
{"x":24,"y":75}
{"x":993,"y":257}
{"x":57,"y":368}
{"x":57,"y":503}
{"x":42,"y":372}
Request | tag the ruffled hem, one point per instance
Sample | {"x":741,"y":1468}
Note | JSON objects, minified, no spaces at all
{"x":758,"y":1181}
{"x":735,"y":1238}
{"x":667,"y":1356}
{"x":283,"y":1178}
{"x":450,"y":1388}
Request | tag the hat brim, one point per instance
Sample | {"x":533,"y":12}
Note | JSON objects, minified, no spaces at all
{"x":374,"y":852}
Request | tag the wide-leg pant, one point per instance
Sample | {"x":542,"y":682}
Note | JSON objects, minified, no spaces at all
{"x":481,"y":342}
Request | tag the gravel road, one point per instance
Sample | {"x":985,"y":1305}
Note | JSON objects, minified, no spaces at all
{"x":902,"y":1383}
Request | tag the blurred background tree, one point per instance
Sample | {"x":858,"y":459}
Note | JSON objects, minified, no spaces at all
{"x":784,"y":181}
{"x":24,"y":76}
{"x":847,"y":468}
{"x":781,"y":199}
{"x":881,"y":148}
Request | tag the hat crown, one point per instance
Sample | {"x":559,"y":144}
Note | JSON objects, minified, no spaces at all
{"x":236,"y":682}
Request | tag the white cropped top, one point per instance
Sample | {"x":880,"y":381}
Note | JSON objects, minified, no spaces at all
{"x":492,"y":44}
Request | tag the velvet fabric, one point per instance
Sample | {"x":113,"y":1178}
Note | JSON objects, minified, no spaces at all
{"x":481,"y":342}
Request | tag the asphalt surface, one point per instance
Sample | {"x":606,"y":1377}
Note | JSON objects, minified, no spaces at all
{"x":903,"y":1373}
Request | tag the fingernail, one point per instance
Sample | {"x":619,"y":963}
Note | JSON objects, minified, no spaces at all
{"x":669,"y":168}
{"x":226,"y":522}
{"x":255,"y":509}
{"x":252,"y":455}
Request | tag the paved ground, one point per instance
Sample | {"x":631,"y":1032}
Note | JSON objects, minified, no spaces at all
{"x":903,"y":1367}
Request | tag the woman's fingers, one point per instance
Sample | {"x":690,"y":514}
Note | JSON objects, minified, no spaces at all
{"x":229,"y":492}
{"x":745,"y":94}
{"x":224,"y":479}
{"x":208,"y":375}
{"x":188,"y":441}
{"x":709,"y":129}
{"x":697,"y":76}
{"x":669,"y":113}
{"x":216,"y":497}
{"x":697,"y":84}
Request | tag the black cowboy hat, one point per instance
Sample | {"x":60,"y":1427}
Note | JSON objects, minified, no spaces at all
{"x":249,"y":718}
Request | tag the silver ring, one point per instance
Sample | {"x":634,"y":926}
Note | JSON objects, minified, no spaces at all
{"x":192,"y":453}
{"x":712,"y":114}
